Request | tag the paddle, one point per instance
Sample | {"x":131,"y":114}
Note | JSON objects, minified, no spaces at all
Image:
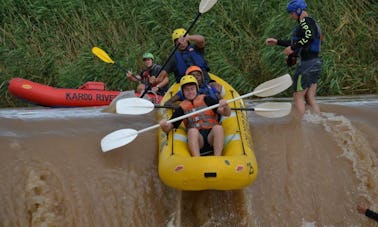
{"x":122,"y":137}
{"x":100,"y":53}
{"x":204,"y":6}
{"x":136,"y":106}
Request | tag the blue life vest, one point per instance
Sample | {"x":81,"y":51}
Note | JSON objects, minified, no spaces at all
{"x":316,"y":43}
{"x":190,"y":57}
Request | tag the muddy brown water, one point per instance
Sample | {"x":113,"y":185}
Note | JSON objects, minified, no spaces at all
{"x":311,"y":173}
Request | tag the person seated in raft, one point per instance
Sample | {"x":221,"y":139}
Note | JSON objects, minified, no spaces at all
{"x":144,"y":77}
{"x":203,"y":129}
{"x":190,"y":51}
{"x":213,"y":88}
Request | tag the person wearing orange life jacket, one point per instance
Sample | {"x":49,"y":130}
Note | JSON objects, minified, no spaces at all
{"x":205,"y":134}
{"x":143,"y":78}
{"x":190,"y":51}
{"x":212,"y":89}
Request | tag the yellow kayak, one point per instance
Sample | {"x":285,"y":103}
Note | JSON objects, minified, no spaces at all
{"x":236,"y":169}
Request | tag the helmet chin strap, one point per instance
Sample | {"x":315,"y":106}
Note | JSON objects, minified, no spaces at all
{"x":299,"y":13}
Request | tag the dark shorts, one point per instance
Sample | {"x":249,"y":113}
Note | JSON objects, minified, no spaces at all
{"x":307,"y":73}
{"x":207,"y":149}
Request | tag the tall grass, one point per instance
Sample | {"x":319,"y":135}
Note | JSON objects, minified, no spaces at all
{"x":50,"y":41}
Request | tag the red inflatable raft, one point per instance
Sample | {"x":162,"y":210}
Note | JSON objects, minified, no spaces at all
{"x":90,"y":94}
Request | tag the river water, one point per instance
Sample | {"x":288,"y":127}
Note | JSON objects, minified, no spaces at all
{"x":311,"y":172}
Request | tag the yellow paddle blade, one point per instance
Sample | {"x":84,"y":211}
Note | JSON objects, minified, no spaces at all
{"x":102,"y":55}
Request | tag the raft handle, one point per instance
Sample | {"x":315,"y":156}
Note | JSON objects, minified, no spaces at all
{"x":210,"y":174}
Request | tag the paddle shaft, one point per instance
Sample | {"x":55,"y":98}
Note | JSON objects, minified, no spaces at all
{"x":125,"y":70}
{"x":172,"y":107}
{"x":101,"y":54}
{"x":209,"y":108}
{"x":265,"y":89}
{"x":120,"y":67}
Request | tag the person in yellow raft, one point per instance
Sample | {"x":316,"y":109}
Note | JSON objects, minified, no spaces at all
{"x":144,"y":77}
{"x":190,"y":51}
{"x":205,"y":134}
{"x":214,"y":89}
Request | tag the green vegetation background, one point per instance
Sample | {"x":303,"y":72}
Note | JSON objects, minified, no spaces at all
{"x":50,"y":41}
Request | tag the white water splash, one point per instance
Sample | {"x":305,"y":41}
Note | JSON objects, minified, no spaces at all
{"x":355,"y":148}
{"x":51,"y":113}
{"x":308,"y":224}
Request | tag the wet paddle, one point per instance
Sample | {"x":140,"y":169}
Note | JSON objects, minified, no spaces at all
{"x":100,"y":53}
{"x":122,"y":137}
{"x":204,"y":6}
{"x":136,"y":106}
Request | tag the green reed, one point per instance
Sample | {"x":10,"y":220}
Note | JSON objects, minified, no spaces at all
{"x":50,"y":41}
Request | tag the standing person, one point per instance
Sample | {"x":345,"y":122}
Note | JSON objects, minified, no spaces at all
{"x":191,"y":51}
{"x":364,"y":209}
{"x":203,"y":129}
{"x":143,"y":78}
{"x":305,"y":43}
{"x":213,"y":89}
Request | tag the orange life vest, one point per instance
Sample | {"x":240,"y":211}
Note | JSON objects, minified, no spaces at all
{"x":203,"y":120}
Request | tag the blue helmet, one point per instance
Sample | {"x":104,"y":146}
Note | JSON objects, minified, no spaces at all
{"x":294,"y":5}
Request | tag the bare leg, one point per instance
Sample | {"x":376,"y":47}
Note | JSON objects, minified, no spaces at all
{"x":195,"y":141}
{"x":310,"y":99}
{"x":299,"y":102}
{"x":216,"y":139}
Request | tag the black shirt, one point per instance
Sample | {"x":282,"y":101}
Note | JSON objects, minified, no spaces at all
{"x":303,"y":36}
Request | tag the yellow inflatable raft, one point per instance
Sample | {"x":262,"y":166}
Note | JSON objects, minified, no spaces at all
{"x":236,"y":169}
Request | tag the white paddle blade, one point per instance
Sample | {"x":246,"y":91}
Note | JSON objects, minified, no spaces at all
{"x":117,"y":139}
{"x":274,"y":86}
{"x":134,"y":106}
{"x":273,"y":109}
{"x":206,"y":5}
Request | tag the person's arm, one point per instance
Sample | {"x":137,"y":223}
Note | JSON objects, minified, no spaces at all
{"x":162,"y":75}
{"x":217,"y":89}
{"x":279,"y":42}
{"x":173,"y":99}
{"x":224,"y":109}
{"x":283,"y":42}
{"x":166,"y":127}
{"x":163,"y":83}
{"x":168,"y":68}
{"x":199,"y":40}
{"x":130,"y":76}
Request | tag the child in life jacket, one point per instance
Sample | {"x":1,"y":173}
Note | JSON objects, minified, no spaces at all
{"x":203,"y":129}
{"x":213,"y":89}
